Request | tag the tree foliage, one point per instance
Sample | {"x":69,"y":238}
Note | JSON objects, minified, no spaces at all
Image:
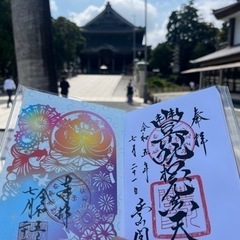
{"x":194,"y":36}
{"x":223,"y":33}
{"x":182,"y":25}
{"x":68,"y":41}
{"x":206,"y":41}
{"x":161,"y":58}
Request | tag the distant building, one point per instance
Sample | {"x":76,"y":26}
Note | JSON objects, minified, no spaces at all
{"x":111,"y":43}
{"x":222,"y":67}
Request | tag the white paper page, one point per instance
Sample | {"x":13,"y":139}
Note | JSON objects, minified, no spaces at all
{"x":181,"y":178}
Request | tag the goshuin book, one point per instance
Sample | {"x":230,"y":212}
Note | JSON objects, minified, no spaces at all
{"x":78,"y":170}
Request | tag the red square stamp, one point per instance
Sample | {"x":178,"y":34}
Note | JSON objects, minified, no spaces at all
{"x":196,"y":222}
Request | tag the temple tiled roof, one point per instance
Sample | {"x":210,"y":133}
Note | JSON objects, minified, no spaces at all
{"x":110,"y":21}
{"x":227,"y":11}
{"x":225,"y":52}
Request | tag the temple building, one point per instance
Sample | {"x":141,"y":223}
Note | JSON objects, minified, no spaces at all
{"x":112,"y":43}
{"x":223,"y":66}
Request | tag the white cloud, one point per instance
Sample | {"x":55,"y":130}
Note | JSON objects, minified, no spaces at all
{"x":84,"y":17}
{"x":206,"y":10}
{"x":157,"y":34}
{"x":53,"y":6}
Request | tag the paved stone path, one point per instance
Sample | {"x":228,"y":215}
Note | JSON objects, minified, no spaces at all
{"x":107,"y":90}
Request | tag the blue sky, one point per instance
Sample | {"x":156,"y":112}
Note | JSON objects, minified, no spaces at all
{"x":158,"y":12}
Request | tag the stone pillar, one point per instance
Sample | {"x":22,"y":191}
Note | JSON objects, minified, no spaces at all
{"x":141,"y":81}
{"x":135,"y":70}
{"x":32,"y":28}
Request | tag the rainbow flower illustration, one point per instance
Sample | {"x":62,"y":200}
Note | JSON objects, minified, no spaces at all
{"x":106,"y":203}
{"x":38,"y":121}
{"x":85,"y":138}
{"x":106,"y":231}
{"x":88,"y":217}
{"x":89,"y":235}
{"x":102,"y":181}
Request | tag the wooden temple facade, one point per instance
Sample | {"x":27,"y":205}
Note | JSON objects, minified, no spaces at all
{"x":112,"y":43}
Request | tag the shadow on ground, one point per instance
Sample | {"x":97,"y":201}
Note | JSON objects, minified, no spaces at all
{"x":122,"y":105}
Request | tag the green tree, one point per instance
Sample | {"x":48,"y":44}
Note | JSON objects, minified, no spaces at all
{"x":182,"y":25}
{"x":206,"y":40}
{"x":223,"y":34}
{"x":161,"y":58}
{"x":7,"y":52}
{"x":68,"y":41}
{"x":194,"y":37}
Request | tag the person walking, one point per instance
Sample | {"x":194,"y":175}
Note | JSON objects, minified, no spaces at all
{"x":130,"y":92}
{"x":192,"y":86}
{"x":64,"y":85}
{"x":9,"y":86}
